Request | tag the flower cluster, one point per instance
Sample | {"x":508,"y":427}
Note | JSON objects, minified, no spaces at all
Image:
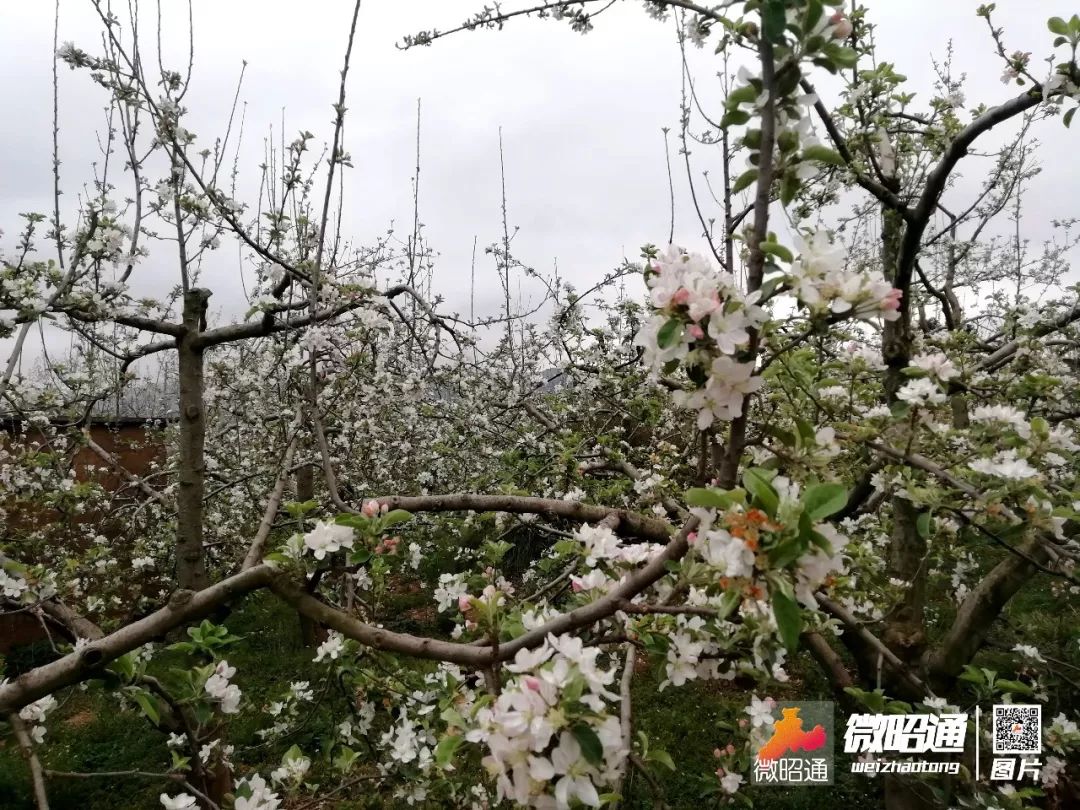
{"x":1005,"y":464}
{"x":601,"y":545}
{"x":35,"y":714}
{"x":550,"y":739}
{"x":332,"y":648}
{"x":253,"y":793}
{"x":326,"y":538}
{"x":824,"y":283}
{"x":218,"y":688}
{"x":701,"y":320}
{"x":11,"y":587}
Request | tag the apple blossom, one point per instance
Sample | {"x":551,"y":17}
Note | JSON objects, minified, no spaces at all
{"x":181,"y":801}
{"x":326,"y":538}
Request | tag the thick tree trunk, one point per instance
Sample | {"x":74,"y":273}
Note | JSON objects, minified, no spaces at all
{"x":191,"y":475}
{"x":905,"y":626}
{"x":305,"y":491}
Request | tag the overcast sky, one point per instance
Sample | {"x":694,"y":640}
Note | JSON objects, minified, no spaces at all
{"x":581,"y":116}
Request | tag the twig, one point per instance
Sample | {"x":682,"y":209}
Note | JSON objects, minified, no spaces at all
{"x":41,"y":796}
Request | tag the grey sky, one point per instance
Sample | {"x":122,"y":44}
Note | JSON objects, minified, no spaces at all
{"x":581,"y":116}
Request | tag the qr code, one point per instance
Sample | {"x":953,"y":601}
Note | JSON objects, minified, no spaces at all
{"x":1017,"y":729}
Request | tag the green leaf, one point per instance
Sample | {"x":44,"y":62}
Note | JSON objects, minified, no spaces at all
{"x":744,"y":180}
{"x":444,"y":751}
{"x":841,"y":56}
{"x":822,"y":500}
{"x":786,"y":552}
{"x":712,"y":498}
{"x":359,"y":557}
{"x":741,"y":95}
{"x":972,"y":674}
{"x":922,"y":524}
{"x":757,"y":484}
{"x":874,"y":701}
{"x":728,"y":602}
{"x":293,"y":753}
{"x":773,"y":20}
{"x":734,"y":118}
{"x":662,"y":757}
{"x":823,"y":154}
{"x":669,"y":333}
{"x":395,"y":517}
{"x":1013,"y":686}
{"x":591,"y":747}
{"x":814,"y":12}
{"x":149,"y":706}
{"x":789,"y":187}
{"x":1058,"y":26}
{"x":452,"y":717}
{"x":776,"y":249}
{"x":788,"y":619}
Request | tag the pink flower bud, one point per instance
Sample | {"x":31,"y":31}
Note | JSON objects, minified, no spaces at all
{"x":841,"y":25}
{"x":892,"y":300}
{"x":370,"y":509}
{"x":464,"y":603}
{"x":720,"y":772}
{"x":575,"y":585}
{"x":696,"y":332}
{"x":532,"y":683}
{"x":691,"y":538}
{"x":743,"y":723}
{"x":681,"y":296}
{"x":730,"y":748}
{"x":717,"y":753}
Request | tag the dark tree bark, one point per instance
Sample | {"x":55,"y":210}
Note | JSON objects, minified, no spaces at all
{"x":191,"y":474}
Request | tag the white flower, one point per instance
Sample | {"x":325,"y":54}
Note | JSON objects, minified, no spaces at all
{"x":921,"y":392}
{"x":600,"y":543}
{"x":1066,"y":725}
{"x":302,"y":690}
{"x":326,"y":538}
{"x":730,"y":554}
{"x":11,"y":586}
{"x":936,"y":364}
{"x":526,"y":660}
{"x":218,"y":687}
{"x":567,"y":759}
{"x":1028,"y":651}
{"x":761,"y":711}
{"x":35,"y":712}
{"x":450,"y":589}
{"x":181,"y":801}
{"x":217,"y":683}
{"x":331,"y":648}
{"x":292,"y":769}
{"x":230,"y":701}
{"x":1005,"y":464}
{"x":730,"y":782}
{"x":1005,"y":415}
{"x":1052,"y":771}
{"x":594,"y":580}
{"x":261,"y":798}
